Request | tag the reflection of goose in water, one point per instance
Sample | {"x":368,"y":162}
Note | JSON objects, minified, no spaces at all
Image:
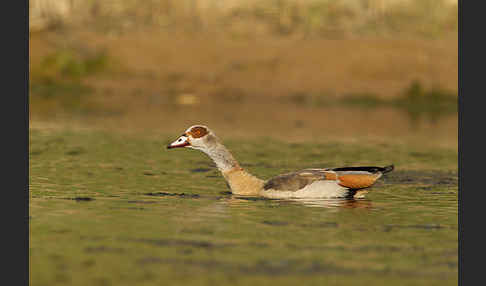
{"x":308,"y":202}
{"x":224,"y":206}
{"x":343,"y":182}
{"x":334,"y":203}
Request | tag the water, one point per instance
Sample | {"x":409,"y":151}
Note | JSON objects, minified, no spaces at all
{"x":278,"y":118}
{"x":390,"y":239}
{"x":216,"y":240}
{"x":117,"y":209}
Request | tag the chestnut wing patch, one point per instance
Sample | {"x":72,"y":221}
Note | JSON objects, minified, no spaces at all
{"x":357,"y":181}
{"x":360,"y":177}
{"x":298,"y":180}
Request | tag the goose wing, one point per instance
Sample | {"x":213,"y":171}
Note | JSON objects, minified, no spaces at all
{"x":350,"y":177}
{"x":298,"y":180}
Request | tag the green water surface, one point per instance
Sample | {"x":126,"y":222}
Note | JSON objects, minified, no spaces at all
{"x":111,"y":209}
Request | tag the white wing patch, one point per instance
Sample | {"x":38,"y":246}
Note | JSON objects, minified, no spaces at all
{"x":317,"y":189}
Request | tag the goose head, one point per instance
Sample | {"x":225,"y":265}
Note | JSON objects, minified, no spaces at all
{"x":198,"y":137}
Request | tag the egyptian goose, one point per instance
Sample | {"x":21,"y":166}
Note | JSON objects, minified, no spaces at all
{"x":308,"y":183}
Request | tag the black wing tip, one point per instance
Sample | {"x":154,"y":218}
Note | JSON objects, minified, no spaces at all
{"x":371,"y":169}
{"x":388,"y":169}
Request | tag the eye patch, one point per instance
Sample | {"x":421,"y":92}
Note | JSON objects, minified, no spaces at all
{"x":198,"y":132}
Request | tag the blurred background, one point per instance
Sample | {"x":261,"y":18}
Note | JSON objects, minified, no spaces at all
{"x":294,"y":70}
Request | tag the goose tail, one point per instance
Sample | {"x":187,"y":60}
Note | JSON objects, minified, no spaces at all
{"x":387,"y":169}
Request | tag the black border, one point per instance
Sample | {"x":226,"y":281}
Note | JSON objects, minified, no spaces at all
{"x":14,"y":25}
{"x":460,"y":134}
{"x":471,"y":149}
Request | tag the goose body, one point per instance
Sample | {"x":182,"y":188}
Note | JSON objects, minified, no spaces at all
{"x":308,"y":183}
